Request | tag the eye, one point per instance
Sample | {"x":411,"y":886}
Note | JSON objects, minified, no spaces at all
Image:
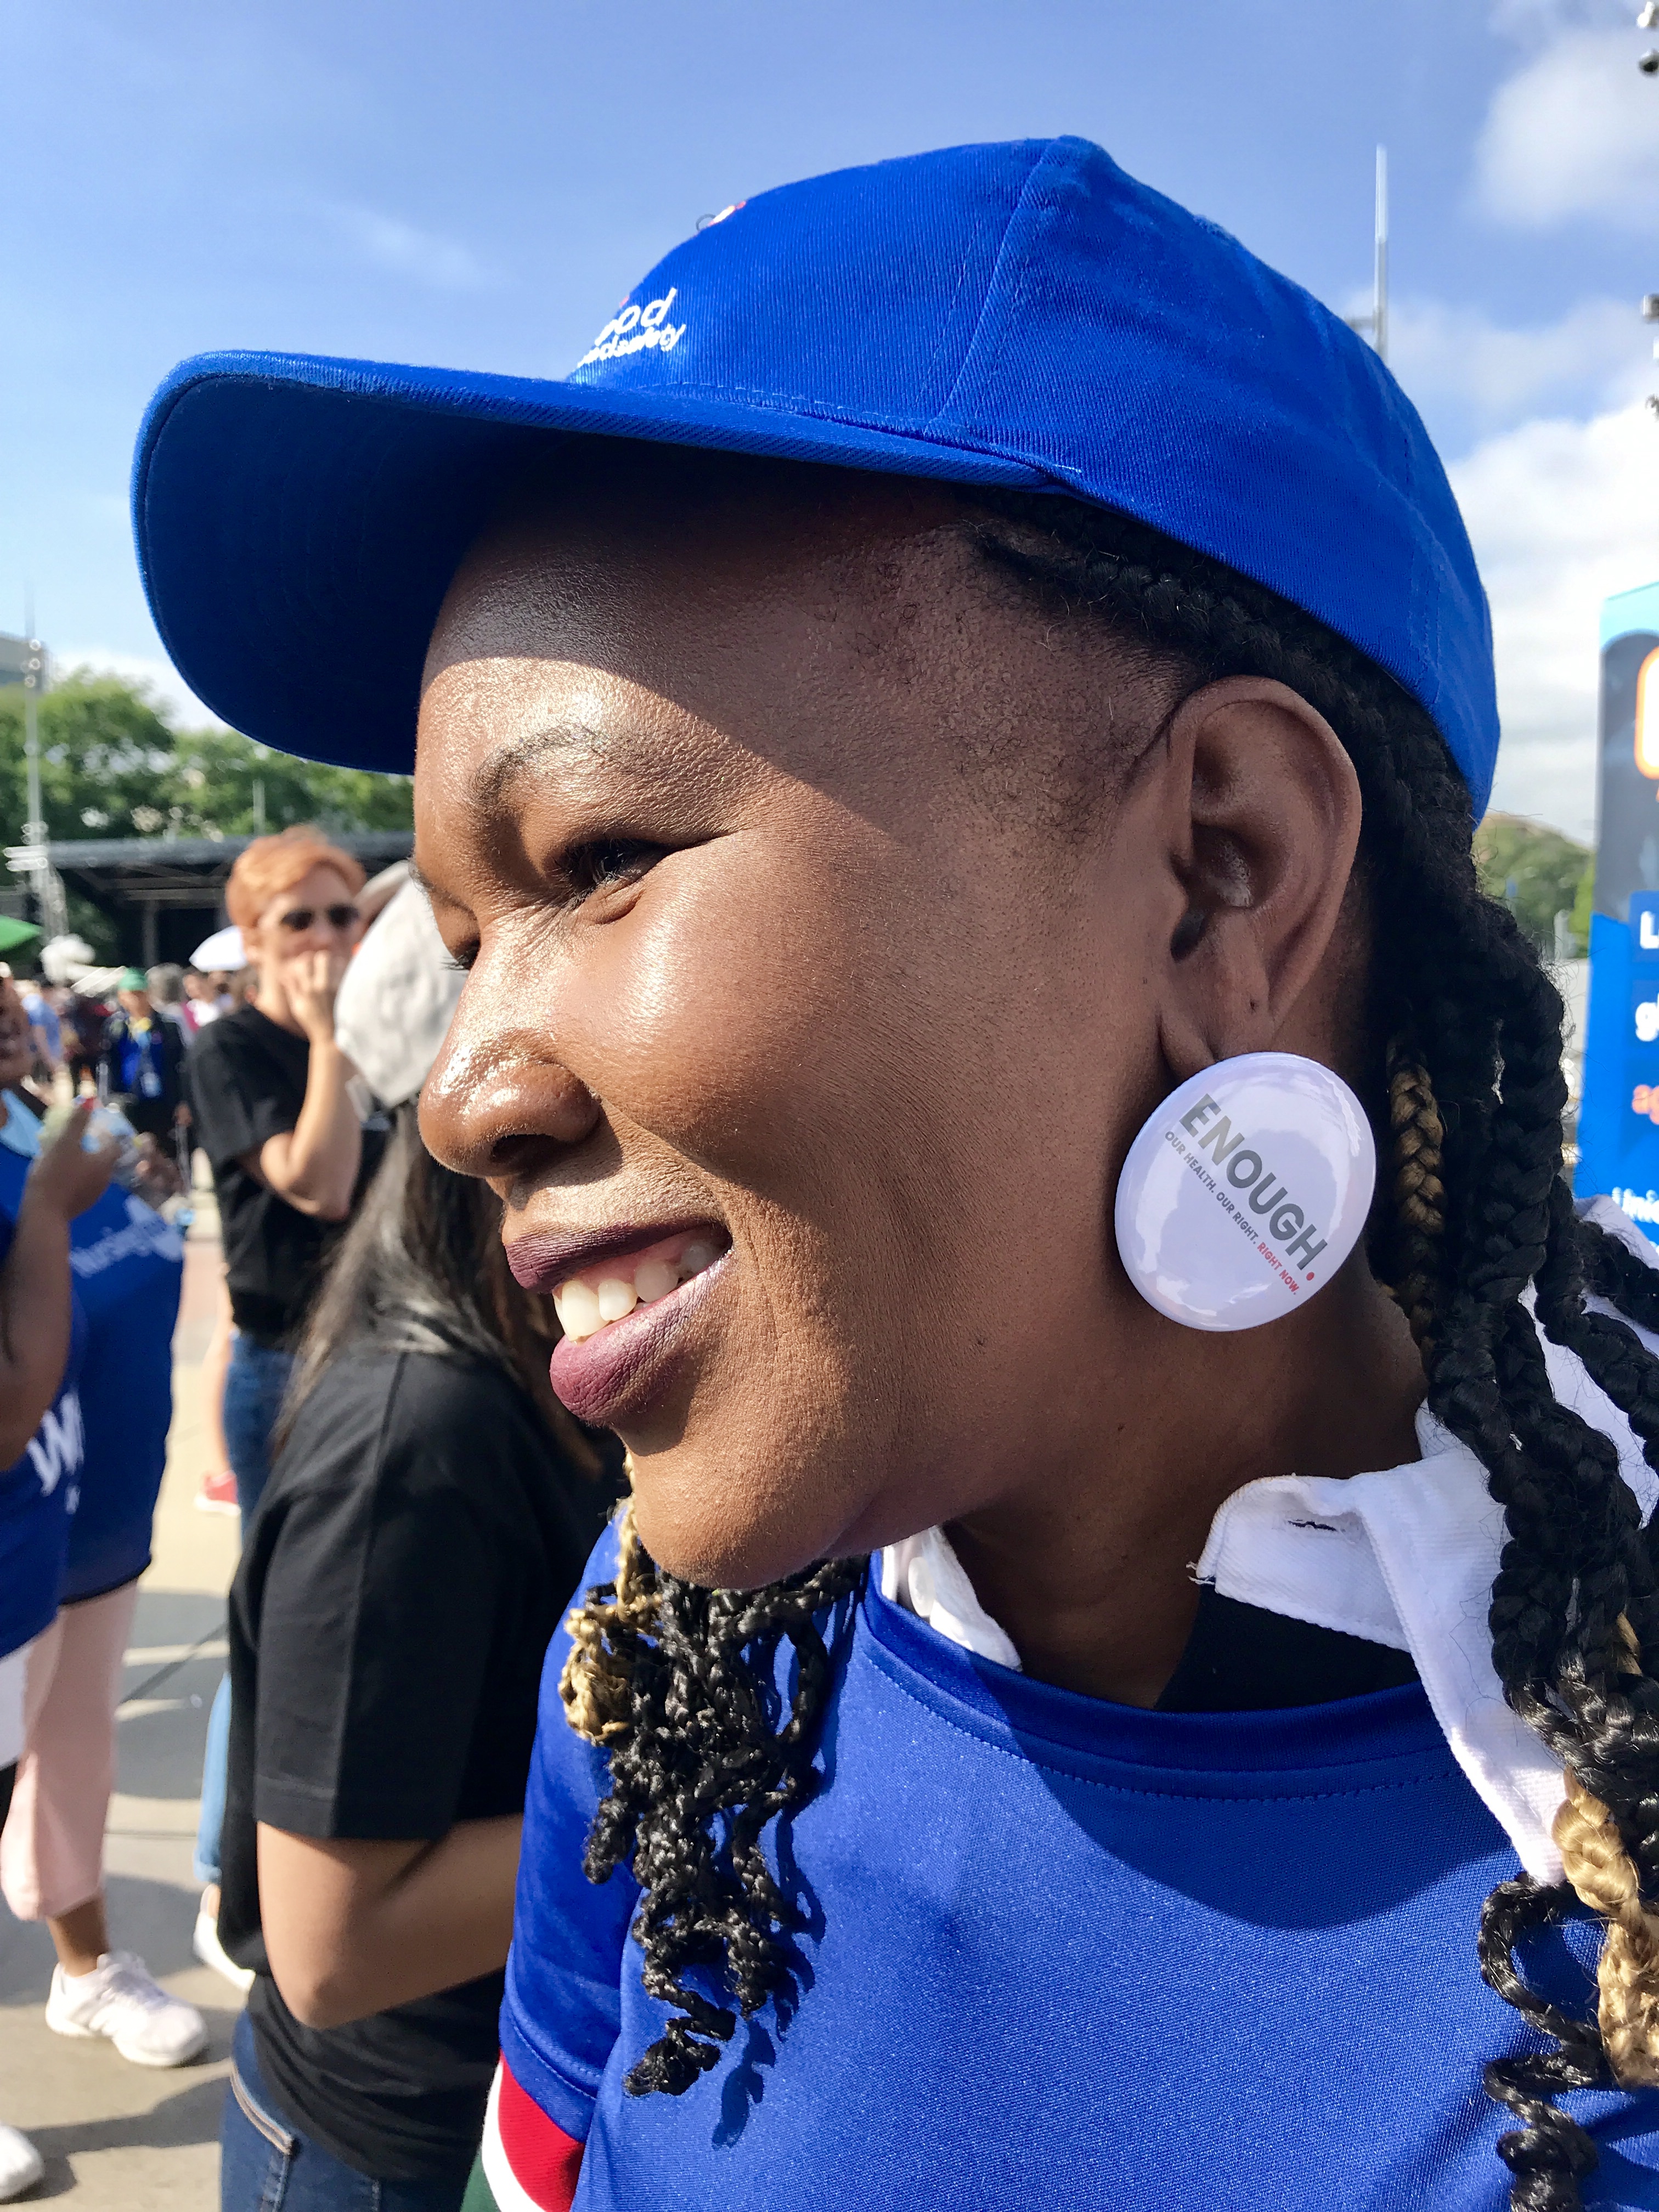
{"x":607,"y":861}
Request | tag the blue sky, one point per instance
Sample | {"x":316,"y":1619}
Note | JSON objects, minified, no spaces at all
{"x":480,"y":185}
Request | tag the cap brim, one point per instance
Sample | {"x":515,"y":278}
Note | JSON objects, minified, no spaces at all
{"x":299,"y":520}
{"x":223,"y":950}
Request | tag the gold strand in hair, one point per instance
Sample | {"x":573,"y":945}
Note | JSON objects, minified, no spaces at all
{"x":1599,"y":1868}
{"x":597,"y":1684}
{"x":1420,"y":1196}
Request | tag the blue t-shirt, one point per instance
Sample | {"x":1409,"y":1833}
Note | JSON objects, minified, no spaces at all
{"x":139,"y":1069}
{"x":39,"y":1494}
{"x":128,"y":1265}
{"x":44,"y":1017}
{"x":1060,"y":1954}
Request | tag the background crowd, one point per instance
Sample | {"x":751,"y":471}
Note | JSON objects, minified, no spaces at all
{"x":416,"y":1510}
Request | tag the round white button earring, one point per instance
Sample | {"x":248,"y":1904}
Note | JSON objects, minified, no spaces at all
{"x":1246,"y":1191}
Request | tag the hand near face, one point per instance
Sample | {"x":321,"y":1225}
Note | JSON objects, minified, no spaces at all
{"x":67,"y":1177}
{"x":312,"y":980}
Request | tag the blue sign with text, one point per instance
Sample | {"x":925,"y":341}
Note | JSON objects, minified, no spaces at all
{"x":1618,"y":1116}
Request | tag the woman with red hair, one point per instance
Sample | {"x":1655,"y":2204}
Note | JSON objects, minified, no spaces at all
{"x":269,"y":1089}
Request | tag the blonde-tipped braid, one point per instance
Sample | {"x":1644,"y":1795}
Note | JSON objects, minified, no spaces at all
{"x":1593,"y":1857}
{"x":1596,"y":1863}
{"x":680,"y":1685}
{"x":1420,"y":1197}
{"x":597,"y":1684}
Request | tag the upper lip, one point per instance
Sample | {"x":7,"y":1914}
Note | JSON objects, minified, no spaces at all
{"x":542,"y":1259}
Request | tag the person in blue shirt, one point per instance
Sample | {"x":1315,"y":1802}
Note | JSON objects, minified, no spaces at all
{"x":141,"y":1058}
{"x":43,"y":1191}
{"x":969,"y":653}
{"x":126,"y":1265}
{"x":44,"y":1029}
{"x":46,"y":1193}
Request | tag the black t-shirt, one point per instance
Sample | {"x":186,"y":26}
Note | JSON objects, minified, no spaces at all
{"x":1242,"y":1659}
{"x":420,"y":1538}
{"x":246,"y":1077}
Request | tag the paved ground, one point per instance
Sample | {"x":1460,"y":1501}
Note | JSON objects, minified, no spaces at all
{"x":115,"y":2138}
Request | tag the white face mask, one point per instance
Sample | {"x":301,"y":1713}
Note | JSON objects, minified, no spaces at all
{"x":1245,"y":1192}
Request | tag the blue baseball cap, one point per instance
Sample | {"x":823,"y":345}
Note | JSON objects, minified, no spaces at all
{"x":1022,"y":314}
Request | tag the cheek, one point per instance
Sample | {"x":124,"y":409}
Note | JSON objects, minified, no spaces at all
{"x":909,"y":1070}
{"x":755,"y":1019}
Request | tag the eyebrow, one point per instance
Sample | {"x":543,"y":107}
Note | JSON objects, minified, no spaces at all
{"x":496,"y":777}
{"x":518,"y":757}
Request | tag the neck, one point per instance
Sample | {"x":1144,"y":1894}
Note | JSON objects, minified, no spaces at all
{"x":272,"y":999}
{"x":1088,"y":1568}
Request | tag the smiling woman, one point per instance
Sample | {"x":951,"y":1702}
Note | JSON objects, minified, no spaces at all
{"x":1046,"y":695}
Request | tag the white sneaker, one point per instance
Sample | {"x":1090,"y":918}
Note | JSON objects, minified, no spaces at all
{"x":21,"y":2165}
{"x":121,"y":2001}
{"x":212,"y":1953}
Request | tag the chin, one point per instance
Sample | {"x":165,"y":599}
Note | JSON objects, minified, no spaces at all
{"x":708,"y":1533}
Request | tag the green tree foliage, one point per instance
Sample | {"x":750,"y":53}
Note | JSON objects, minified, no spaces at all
{"x":1537,"y":873}
{"x":113,"y":766}
{"x":1583,"y":906}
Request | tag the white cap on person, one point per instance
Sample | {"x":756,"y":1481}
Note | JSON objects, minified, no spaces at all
{"x":400,"y":992}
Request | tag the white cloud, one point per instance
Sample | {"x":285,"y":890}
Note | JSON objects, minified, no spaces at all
{"x":1562,"y":514}
{"x":158,"y":679}
{"x":405,"y":249}
{"x":1574,"y":132}
{"x":1595,"y":354}
{"x":1533,"y":20}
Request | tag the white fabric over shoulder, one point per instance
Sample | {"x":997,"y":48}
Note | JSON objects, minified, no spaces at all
{"x":924,"y":1575}
{"x":395,"y":1004}
{"x":1404,"y":1556}
{"x":1407,"y":1558}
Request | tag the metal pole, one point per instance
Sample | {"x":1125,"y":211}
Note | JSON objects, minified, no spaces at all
{"x":48,"y":891}
{"x":1380,"y":276}
{"x":34,"y":830}
{"x":35,"y":667}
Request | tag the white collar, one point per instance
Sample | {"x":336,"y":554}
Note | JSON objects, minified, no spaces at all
{"x":1404,"y":1556}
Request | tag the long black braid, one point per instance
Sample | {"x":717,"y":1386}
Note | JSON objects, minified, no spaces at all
{"x":680,"y":1683}
{"x":1467,"y":1032}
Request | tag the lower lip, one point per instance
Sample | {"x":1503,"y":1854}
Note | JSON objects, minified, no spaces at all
{"x":622,"y":1364}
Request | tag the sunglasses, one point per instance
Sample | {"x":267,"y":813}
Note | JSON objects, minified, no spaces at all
{"x":301,"y":918}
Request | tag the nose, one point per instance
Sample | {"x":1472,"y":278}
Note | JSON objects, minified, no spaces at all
{"x":499,"y":1105}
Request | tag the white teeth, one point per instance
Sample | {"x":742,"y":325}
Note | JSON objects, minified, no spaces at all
{"x":583,"y":1308}
{"x":578,"y":1310}
{"x":654,"y":1279}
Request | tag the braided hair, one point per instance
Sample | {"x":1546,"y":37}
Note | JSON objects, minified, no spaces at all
{"x":678,"y":1683}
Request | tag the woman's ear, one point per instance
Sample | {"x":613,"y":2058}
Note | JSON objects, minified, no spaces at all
{"x":1263,"y":812}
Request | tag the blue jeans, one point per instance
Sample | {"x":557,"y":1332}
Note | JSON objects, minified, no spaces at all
{"x":255,"y":1385}
{"x":266,"y":2165}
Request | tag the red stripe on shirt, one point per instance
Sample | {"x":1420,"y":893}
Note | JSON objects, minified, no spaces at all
{"x":545,"y":2162}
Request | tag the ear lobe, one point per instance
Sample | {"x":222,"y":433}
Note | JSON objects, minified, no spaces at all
{"x":1264,"y":817}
